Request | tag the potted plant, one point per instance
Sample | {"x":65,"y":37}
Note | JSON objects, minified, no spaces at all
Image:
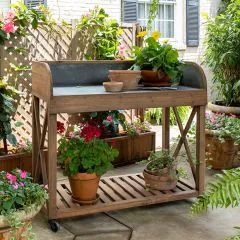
{"x":84,"y":161}
{"x":222,"y":140}
{"x":222,"y":56}
{"x":20,"y":201}
{"x":159,"y":63}
{"x":161,"y":171}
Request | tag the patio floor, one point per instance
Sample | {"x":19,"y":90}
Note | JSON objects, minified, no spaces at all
{"x":170,"y":221}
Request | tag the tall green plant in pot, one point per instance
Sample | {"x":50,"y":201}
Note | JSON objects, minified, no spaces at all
{"x":84,"y":161}
{"x":223,"y":57}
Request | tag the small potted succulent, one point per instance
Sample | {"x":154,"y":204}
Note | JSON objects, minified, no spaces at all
{"x":20,"y":201}
{"x":159,"y":63}
{"x":222,"y":140}
{"x":161,"y":171}
{"x":84,"y":160}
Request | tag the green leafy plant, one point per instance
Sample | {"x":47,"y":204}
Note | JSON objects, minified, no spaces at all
{"x":222,"y":54}
{"x":136,"y":127}
{"x":152,"y":13}
{"x":105,"y":35}
{"x":154,"y":115}
{"x":160,"y":160}
{"x":224,"y":126}
{"x":156,"y":56}
{"x":18,"y":193}
{"x":78,"y":155}
{"x":6,"y":109}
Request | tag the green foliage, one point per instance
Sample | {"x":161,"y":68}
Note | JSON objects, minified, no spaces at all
{"x":77,"y":155}
{"x":155,"y":115}
{"x":223,"y":192}
{"x":19,"y":193}
{"x":157,"y":56}
{"x":222,"y":53}
{"x":6,"y":109}
{"x":105,"y":34}
{"x":223,"y":6}
{"x":152,"y":13}
{"x":224,"y":126}
{"x":160,"y":160}
{"x":136,"y":127}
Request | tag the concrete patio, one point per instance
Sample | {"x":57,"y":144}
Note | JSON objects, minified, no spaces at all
{"x":170,"y":221}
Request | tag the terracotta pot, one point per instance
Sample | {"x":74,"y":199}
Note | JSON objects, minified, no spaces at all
{"x":129,"y":78}
{"x":155,"y":78}
{"x":84,"y":186}
{"x":224,"y":109}
{"x":221,"y":155}
{"x":167,"y":180}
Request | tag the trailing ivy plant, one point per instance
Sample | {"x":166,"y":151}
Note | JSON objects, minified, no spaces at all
{"x":152,"y":13}
{"x":222,"y":54}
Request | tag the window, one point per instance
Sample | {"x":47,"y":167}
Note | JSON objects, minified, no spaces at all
{"x":34,"y":4}
{"x":165,"y":19}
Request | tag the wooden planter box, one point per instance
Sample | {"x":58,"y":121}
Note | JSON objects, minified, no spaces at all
{"x":19,"y":160}
{"x":132,"y":149}
{"x":221,"y":155}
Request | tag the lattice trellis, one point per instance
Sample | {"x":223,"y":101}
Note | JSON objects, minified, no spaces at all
{"x":57,"y":43}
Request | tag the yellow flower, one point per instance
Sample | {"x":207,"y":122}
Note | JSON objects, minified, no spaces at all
{"x":166,"y":41}
{"x":156,"y":35}
{"x":142,"y":34}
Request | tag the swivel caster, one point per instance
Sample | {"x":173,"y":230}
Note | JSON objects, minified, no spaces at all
{"x":54,"y":225}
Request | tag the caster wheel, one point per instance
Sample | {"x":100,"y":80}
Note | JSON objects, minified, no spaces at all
{"x":54,"y":225}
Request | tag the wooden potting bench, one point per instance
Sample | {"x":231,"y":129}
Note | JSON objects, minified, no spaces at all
{"x":75,"y":87}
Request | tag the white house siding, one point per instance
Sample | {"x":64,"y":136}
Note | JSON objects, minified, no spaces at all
{"x":4,"y":6}
{"x":195,"y":54}
{"x":74,"y":9}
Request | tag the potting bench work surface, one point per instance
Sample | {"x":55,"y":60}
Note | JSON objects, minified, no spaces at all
{"x":57,"y":84}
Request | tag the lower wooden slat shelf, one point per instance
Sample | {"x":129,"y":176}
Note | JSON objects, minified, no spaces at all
{"x":119,"y":192}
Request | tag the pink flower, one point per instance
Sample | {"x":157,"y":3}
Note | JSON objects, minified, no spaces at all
{"x":10,"y":16}
{"x":23,"y":174}
{"x":11,"y":178}
{"x":15,"y":186}
{"x":213,"y":120}
{"x":109,"y":118}
{"x":22,"y":184}
{"x":9,"y":27}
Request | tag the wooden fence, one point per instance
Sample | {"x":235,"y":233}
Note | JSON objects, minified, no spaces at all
{"x":57,"y":43}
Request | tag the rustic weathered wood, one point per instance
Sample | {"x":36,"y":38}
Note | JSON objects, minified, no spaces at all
{"x":120,"y":198}
{"x":165,"y":127}
{"x":200,"y":149}
{"x":121,"y":191}
{"x":185,"y":142}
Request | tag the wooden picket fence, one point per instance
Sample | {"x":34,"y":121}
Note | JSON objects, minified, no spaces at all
{"x":55,"y":43}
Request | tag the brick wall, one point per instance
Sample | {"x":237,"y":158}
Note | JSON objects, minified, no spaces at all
{"x":74,"y":9}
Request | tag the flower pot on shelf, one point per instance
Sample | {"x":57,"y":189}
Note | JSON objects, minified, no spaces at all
{"x":132,"y":148}
{"x":166,"y":179}
{"x":129,"y":78}
{"x":155,"y":78}
{"x":221,"y":155}
{"x":84,"y":187}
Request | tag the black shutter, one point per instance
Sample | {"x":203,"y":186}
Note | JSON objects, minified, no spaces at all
{"x":192,"y":23}
{"x":129,"y":11}
{"x":33,"y":4}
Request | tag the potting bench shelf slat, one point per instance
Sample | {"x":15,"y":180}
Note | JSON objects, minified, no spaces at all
{"x":119,"y":192}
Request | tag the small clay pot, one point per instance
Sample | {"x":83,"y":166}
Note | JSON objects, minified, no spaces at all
{"x":155,"y":78}
{"x":84,"y":186}
{"x":129,"y":78}
{"x":113,"y":86}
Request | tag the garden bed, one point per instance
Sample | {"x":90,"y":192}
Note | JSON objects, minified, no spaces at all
{"x":132,"y":148}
